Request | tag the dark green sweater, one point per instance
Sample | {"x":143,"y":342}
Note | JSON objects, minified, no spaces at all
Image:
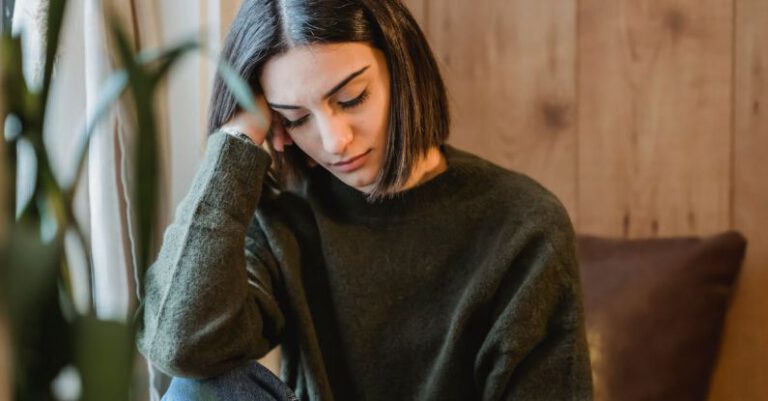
{"x":463,"y":288}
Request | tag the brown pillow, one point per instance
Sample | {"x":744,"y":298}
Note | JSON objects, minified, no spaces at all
{"x":654,"y":312}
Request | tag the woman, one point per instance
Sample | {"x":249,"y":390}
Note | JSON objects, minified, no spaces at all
{"x":388,"y":264}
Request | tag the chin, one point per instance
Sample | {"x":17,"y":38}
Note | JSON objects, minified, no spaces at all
{"x":361,"y":182}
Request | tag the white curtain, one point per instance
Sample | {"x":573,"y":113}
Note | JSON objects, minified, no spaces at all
{"x":103,"y":208}
{"x":111,"y":245}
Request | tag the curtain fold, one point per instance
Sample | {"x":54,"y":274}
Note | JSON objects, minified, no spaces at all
{"x":109,"y":232}
{"x":117,"y":286}
{"x":111,"y":158}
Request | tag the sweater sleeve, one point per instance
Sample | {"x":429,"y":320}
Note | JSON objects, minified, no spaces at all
{"x":208,"y":302}
{"x":536,"y":348}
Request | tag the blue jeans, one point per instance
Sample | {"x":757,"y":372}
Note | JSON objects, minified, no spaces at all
{"x":251,"y":382}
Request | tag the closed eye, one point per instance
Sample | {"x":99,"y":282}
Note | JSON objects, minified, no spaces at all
{"x":344,"y":105}
{"x":356,"y":101}
{"x":294,"y":123}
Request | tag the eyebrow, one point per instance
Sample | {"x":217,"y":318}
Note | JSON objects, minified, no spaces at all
{"x":327,"y":95}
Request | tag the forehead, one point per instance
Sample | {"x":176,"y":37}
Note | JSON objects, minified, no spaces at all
{"x":308,"y":72}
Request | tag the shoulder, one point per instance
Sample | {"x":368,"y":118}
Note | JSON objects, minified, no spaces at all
{"x":528,"y":244}
{"x":534,"y":238}
{"x":509,"y":197}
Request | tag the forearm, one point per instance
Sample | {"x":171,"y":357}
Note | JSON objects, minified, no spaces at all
{"x":198,"y":316}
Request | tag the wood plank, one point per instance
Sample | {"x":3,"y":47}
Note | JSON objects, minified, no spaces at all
{"x":510,"y":69}
{"x":743,"y":363}
{"x":654,"y":117}
{"x":420,"y":11}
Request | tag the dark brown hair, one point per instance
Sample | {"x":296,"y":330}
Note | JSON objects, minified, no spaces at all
{"x":419,"y":115}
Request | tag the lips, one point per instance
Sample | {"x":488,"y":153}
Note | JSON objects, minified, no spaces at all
{"x":351,"y":164}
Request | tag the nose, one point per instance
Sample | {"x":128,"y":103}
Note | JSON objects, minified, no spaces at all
{"x":335,"y":134}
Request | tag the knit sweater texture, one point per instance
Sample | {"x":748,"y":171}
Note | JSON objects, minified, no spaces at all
{"x":465,"y":287}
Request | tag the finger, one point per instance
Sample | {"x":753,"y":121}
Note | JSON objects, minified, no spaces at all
{"x":280,"y":138}
{"x":262,"y":120}
{"x":277,"y":141}
{"x":274,"y":134}
{"x":283,"y":134}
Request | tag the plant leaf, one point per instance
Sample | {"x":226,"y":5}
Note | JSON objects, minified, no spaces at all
{"x":111,"y":90}
{"x":40,"y":333}
{"x":146,"y":187}
{"x":15,"y":90}
{"x":124,"y":48}
{"x":239,"y":88}
{"x":165,"y":57}
{"x":104,"y":358}
{"x":55,"y":20}
{"x":149,"y":56}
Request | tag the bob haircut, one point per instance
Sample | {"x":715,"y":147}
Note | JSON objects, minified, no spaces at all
{"x":419,"y":115}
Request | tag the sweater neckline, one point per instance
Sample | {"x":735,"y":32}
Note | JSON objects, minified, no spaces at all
{"x":336,"y":197}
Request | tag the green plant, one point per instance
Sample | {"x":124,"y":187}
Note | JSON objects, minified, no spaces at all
{"x":47,"y":333}
{"x":40,"y":334}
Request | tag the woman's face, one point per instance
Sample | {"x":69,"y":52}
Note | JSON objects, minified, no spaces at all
{"x":335,"y":101}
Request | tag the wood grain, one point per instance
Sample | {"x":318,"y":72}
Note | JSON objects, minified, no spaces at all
{"x":420,"y":11}
{"x":654,"y":117}
{"x":510,"y":69}
{"x":743,"y":365}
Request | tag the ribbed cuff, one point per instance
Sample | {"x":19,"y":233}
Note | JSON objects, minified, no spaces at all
{"x":237,"y":170}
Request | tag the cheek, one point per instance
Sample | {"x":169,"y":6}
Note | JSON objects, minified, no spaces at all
{"x":305,"y":141}
{"x":376,"y":118}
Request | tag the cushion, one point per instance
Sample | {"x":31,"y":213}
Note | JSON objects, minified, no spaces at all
{"x":654,"y":312}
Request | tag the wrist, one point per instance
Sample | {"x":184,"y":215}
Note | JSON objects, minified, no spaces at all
{"x":237,"y":134}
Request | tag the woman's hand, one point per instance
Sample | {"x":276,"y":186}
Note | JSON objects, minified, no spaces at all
{"x":252,"y":126}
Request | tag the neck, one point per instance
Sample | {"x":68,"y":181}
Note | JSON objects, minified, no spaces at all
{"x":428,"y":167}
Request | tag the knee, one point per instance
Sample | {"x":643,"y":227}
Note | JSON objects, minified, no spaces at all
{"x":251,"y":382}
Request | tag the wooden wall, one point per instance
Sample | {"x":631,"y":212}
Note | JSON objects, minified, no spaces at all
{"x":647,"y":118}
{"x":743,"y":367}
